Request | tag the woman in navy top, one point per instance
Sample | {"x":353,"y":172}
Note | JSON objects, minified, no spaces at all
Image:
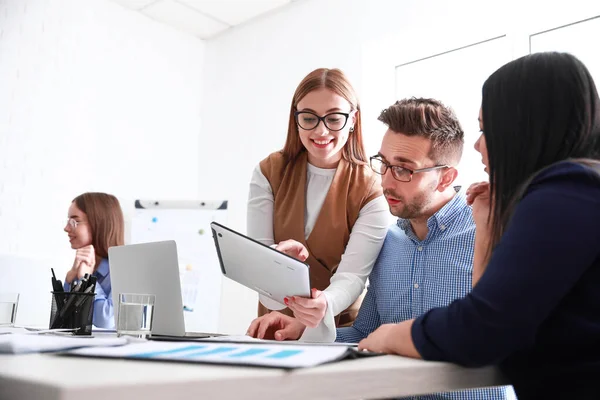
{"x":535,"y":308}
{"x":95,"y":223}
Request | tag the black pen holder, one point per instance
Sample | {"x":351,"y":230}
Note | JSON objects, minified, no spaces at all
{"x":72,"y":310}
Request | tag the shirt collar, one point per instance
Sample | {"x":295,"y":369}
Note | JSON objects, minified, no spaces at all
{"x":445,"y":215}
{"x":102,"y":269}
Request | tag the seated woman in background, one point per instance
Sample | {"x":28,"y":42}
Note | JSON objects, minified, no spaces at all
{"x":319,"y":191}
{"x":95,"y":223}
{"x":535,"y":306}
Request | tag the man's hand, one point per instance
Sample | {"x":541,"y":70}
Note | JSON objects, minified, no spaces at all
{"x":293,"y":249}
{"x":84,"y":263}
{"x":309,"y":312}
{"x":276,"y":325}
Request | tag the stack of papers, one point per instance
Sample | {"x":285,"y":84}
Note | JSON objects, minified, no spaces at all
{"x":18,"y":343}
{"x":12,"y":329}
{"x":265,"y":355}
{"x":32,"y":331}
{"x":246,"y":339}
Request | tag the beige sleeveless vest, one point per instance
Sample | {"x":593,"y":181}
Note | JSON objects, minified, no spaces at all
{"x":352,"y":187}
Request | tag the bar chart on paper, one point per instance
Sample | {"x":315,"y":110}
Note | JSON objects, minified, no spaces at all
{"x":266,"y":355}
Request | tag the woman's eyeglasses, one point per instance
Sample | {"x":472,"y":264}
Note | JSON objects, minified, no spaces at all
{"x":333,"y":121}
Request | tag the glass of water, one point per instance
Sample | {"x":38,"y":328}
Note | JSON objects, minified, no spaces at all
{"x":135,"y":314}
{"x":8,"y":308}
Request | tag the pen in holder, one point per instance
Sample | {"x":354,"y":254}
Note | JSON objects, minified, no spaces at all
{"x":73,"y":310}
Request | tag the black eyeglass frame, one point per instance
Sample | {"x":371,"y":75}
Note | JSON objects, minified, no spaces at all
{"x":395,"y":167}
{"x":322,"y":119}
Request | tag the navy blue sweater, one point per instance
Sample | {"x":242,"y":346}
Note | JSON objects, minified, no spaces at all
{"x":536,"y":310}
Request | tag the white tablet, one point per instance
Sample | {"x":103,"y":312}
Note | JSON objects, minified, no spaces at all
{"x":260,"y":267}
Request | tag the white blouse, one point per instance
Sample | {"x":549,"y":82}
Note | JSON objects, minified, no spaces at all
{"x":366,"y":239}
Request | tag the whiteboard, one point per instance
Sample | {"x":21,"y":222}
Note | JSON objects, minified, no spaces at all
{"x":579,"y":39}
{"x":455,"y":78}
{"x":188,"y":223}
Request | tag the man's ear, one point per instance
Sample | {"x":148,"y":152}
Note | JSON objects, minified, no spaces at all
{"x":448,"y":177}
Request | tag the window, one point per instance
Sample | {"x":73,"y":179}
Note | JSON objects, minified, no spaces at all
{"x":456,"y":77}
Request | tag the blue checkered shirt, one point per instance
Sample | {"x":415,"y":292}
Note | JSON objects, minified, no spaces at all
{"x":412,"y":276}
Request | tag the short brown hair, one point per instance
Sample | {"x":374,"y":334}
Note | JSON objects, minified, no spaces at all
{"x":105,"y":218}
{"x":336,"y":81}
{"x":431,"y":119}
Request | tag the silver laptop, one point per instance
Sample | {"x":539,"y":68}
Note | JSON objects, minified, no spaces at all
{"x":151,"y":268}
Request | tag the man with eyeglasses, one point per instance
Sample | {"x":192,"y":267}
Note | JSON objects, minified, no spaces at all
{"x":427,"y":257}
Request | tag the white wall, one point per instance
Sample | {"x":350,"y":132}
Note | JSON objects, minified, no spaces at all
{"x":96,"y":97}
{"x":252,"y":71}
{"x":93,"y":97}
{"x":450,"y":26}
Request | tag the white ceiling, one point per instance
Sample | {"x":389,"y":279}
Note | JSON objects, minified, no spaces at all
{"x":203,"y":18}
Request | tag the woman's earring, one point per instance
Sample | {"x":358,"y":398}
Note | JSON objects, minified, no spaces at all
{"x":351,"y":129}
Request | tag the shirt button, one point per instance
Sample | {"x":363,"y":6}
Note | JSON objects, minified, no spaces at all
{"x":442,"y":227}
{"x":420,"y":248}
{"x":416,"y":285}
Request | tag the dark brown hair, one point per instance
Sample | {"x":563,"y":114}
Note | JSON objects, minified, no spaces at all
{"x":105,"y":218}
{"x":337,"y":82}
{"x":430,"y":119}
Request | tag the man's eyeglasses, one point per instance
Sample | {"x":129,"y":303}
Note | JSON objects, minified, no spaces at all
{"x":333,"y":121}
{"x":399,"y":173}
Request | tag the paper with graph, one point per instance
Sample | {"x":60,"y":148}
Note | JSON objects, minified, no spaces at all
{"x":266,"y":355}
